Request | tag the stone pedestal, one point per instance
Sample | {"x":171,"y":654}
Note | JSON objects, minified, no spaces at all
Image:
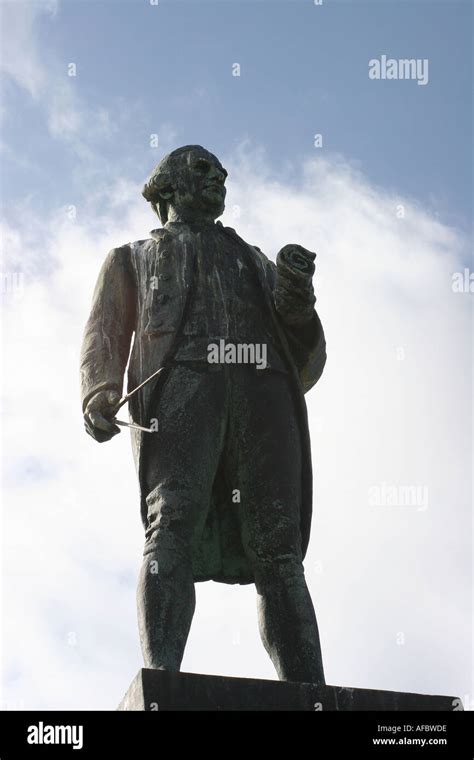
{"x":160,"y":690}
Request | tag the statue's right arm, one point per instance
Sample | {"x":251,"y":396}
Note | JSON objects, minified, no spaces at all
{"x":106,"y":343}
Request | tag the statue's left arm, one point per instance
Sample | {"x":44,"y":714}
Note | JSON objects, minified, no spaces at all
{"x":294,"y":300}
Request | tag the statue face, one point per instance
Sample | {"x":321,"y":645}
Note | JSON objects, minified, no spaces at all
{"x":198,"y":180}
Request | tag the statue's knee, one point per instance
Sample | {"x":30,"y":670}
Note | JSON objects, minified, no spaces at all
{"x":173,"y":519}
{"x":164,"y":555}
{"x":284,"y":569}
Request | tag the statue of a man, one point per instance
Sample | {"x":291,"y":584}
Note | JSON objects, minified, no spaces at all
{"x":225,"y":482}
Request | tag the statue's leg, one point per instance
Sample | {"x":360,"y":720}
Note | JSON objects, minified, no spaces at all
{"x":266,"y":447}
{"x":180,"y":465}
{"x":166,"y":602}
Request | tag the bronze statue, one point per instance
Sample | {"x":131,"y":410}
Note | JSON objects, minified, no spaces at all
{"x":225,"y":469}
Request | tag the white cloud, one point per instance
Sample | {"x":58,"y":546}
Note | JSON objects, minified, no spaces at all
{"x":71,"y":515}
{"x":30,"y":64}
{"x":21,"y":59}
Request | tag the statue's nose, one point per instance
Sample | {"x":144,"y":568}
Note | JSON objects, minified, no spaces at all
{"x":218,"y":175}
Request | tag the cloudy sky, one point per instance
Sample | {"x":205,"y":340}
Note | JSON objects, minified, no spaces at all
{"x":93,"y":94}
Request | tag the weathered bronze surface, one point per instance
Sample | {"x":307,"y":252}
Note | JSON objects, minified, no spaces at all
{"x":225,"y":476}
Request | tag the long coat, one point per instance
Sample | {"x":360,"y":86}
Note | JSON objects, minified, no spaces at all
{"x":142,"y":292}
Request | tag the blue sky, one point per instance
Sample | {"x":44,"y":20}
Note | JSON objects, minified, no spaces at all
{"x":386,"y":203}
{"x":303,"y":71}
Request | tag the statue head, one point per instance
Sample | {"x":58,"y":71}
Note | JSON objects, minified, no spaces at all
{"x":187,"y":185}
